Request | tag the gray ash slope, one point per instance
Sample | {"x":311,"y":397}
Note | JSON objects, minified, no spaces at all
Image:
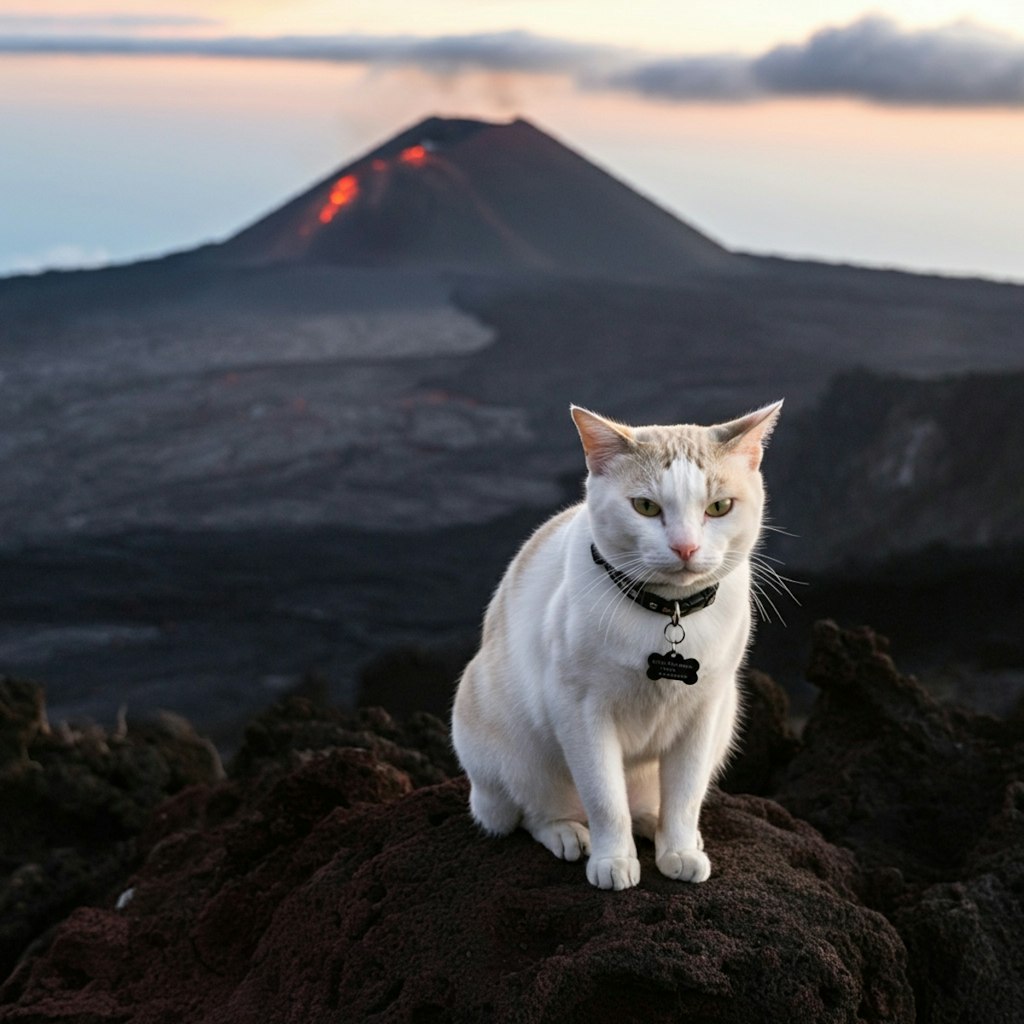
{"x":323,"y":438}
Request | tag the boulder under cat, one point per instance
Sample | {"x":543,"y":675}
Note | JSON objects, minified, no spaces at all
{"x":603,"y":699}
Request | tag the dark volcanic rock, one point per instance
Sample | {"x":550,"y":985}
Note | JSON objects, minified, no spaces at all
{"x":419,"y":745}
{"x":766,"y":742}
{"x":77,"y":805}
{"x":420,"y":678}
{"x":931,"y":801}
{"x":888,"y":771}
{"x":72,"y":803}
{"x":342,"y":896}
{"x":317,"y":883}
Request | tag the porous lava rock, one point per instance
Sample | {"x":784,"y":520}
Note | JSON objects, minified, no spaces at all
{"x":417,"y":745}
{"x":80,"y":806}
{"x":343,"y":894}
{"x":888,"y":771}
{"x":766,"y":742}
{"x":73,"y":801}
{"x":930,"y":799}
{"x":335,"y":874}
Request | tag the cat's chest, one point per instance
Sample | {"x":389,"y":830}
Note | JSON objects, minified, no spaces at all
{"x":611,"y":671}
{"x":650,"y":718}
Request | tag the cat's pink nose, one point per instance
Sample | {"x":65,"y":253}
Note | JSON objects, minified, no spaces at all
{"x":685,"y":551}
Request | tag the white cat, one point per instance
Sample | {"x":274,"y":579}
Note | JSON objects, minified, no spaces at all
{"x":560,"y":721}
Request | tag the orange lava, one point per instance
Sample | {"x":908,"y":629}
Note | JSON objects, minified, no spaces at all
{"x":413,"y":155}
{"x":344,"y":191}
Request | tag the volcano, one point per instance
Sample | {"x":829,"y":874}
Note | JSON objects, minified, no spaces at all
{"x":465,"y":193}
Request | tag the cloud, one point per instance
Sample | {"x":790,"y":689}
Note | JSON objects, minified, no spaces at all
{"x":506,"y":51}
{"x":20,"y":22}
{"x":689,"y":78}
{"x":491,"y":51}
{"x":961,"y":64}
{"x":874,"y":58}
{"x":958,"y":65}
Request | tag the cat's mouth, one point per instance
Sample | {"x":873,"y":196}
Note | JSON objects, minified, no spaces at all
{"x":682,"y":575}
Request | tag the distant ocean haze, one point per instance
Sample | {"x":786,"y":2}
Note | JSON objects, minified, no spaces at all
{"x":115,"y":158}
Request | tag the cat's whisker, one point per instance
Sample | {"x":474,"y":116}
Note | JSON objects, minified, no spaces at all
{"x":759,"y":557}
{"x":757,"y":591}
{"x":765,"y":580}
{"x":607,"y":617}
{"x":626,"y":561}
{"x":779,"y":587}
{"x":621,"y":598}
{"x":628,"y":566}
{"x":766,"y":584}
{"x":779,"y":529}
{"x":765,"y":568}
{"x":767,"y":589}
{"x":613,"y":599}
{"x":771,"y":604}
{"x":768,"y":575}
{"x":762,"y":614}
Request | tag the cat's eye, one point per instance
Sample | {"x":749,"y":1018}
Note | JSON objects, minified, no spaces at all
{"x":646,"y":507}
{"x":719,"y":508}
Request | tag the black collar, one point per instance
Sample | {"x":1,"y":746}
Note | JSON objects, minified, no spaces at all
{"x":655,"y":602}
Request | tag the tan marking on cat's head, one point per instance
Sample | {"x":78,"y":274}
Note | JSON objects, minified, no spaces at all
{"x":665,"y":445}
{"x":653,"y":449}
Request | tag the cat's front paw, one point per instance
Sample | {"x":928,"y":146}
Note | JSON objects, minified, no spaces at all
{"x":567,"y":840}
{"x":684,"y":865}
{"x":613,"y":872}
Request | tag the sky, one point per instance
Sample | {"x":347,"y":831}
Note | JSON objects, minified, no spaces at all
{"x":889,"y":136}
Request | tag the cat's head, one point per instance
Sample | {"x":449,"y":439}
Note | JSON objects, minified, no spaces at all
{"x":678,"y":505}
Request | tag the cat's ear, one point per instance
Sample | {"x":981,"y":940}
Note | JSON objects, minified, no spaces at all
{"x":602,"y":439}
{"x":749,"y":434}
